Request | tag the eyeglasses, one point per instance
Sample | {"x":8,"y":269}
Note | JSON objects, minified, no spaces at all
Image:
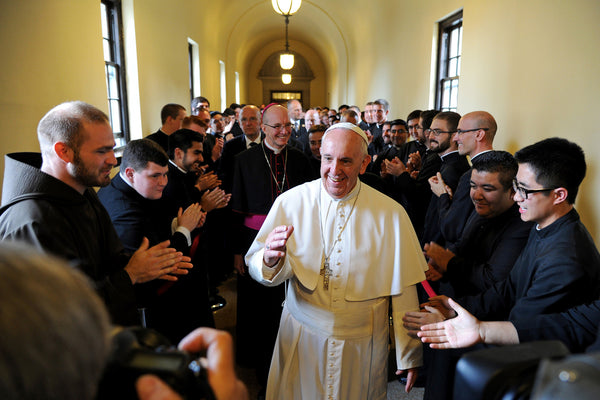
{"x":437,"y":132}
{"x":460,"y":131}
{"x":278,"y":127}
{"x":524,"y":193}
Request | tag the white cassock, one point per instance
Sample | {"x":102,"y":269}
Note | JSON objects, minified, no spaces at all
{"x":333,"y":343}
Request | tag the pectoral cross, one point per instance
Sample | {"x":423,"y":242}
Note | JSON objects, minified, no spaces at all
{"x":326,"y":273}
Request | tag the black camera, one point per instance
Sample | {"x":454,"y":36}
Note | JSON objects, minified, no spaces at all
{"x":139,"y":351}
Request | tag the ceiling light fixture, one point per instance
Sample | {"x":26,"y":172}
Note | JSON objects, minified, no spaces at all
{"x":286,"y":8}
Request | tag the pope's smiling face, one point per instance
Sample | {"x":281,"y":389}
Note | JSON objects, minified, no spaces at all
{"x":343,"y":158}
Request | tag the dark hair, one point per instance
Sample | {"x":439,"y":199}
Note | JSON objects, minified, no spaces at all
{"x":213,"y":113}
{"x":197,"y":100}
{"x":317,"y":128}
{"x":414,"y":115}
{"x":193,"y":119}
{"x":138,"y":153}
{"x":451,"y":118}
{"x":182,"y":139}
{"x":498,"y":161}
{"x":382,"y":102}
{"x":233,"y":106}
{"x":228,"y":112}
{"x":428,"y":116}
{"x":343,"y":107}
{"x":556,"y":162}
{"x":170,"y":110}
{"x":399,"y":122}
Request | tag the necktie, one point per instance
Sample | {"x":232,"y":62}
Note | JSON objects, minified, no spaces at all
{"x":252,"y":144}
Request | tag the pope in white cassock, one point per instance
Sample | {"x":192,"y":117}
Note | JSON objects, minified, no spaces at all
{"x":344,"y":250}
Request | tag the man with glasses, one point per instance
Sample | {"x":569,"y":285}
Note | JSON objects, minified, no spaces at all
{"x":441,"y":141}
{"x":559,"y":267}
{"x":474,"y":136}
{"x":260,"y":175}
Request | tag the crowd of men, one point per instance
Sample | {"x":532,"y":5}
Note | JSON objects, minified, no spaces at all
{"x":336,"y":214}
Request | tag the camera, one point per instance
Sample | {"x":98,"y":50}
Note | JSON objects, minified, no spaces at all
{"x":138,"y":351}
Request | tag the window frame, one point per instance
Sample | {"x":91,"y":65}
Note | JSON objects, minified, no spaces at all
{"x":445,"y":28}
{"x":115,"y":42}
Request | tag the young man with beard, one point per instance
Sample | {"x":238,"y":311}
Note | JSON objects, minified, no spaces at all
{"x":49,"y":202}
{"x":441,"y":135}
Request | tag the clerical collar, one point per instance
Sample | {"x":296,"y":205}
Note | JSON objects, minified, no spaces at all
{"x":177,"y":166}
{"x":276,"y":151}
{"x":248,"y":141}
{"x":447,"y":154}
{"x":477,"y":155}
{"x":353,"y":192}
{"x":124,"y":178}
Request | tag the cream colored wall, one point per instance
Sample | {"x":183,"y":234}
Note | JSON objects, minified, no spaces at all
{"x":531,"y":63}
{"x":36,"y":74}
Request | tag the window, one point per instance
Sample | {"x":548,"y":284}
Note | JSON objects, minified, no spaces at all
{"x":223,"y":86}
{"x":448,"y":69}
{"x":194,"y":68}
{"x":114,"y":69}
{"x":237,"y":88}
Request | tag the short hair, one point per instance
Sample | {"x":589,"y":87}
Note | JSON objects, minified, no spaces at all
{"x":193,"y":119}
{"x":349,"y":113}
{"x":370,"y":103}
{"x":170,"y":110}
{"x":197,"y":100}
{"x":498,"y":161}
{"x":556,"y":163}
{"x":138,"y":153}
{"x":415,"y":114}
{"x":343,"y":107}
{"x":289,"y":103}
{"x":233,"y":106}
{"x":450,"y":117}
{"x":183,"y":139}
{"x":228,"y":112}
{"x":64,"y":123}
{"x":213,"y":113}
{"x":55,"y":329}
{"x":317,"y":128}
{"x":427,"y":116}
{"x":382,"y":102}
{"x":399,"y":122}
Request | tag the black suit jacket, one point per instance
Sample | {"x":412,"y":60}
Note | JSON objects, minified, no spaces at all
{"x":486,"y":253}
{"x":231,"y":148}
{"x":452,"y":168}
{"x":161,"y":138}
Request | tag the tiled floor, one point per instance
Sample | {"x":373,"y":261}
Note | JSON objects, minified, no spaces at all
{"x":225,"y":319}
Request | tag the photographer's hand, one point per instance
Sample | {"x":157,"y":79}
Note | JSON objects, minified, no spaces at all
{"x":221,"y":372}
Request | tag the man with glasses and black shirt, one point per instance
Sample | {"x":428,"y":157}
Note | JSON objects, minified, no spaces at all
{"x":474,"y":136}
{"x":559,"y":267}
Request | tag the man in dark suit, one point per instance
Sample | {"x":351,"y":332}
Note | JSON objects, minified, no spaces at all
{"x":133,"y":202}
{"x":494,"y":235}
{"x":171,"y":117}
{"x":559,"y":267}
{"x":250,"y":123}
{"x":441,"y":135}
{"x":475,"y":134}
{"x":299,"y":136}
{"x":262,"y":173}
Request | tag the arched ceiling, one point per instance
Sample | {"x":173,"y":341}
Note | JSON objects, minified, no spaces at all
{"x":255,"y":25}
